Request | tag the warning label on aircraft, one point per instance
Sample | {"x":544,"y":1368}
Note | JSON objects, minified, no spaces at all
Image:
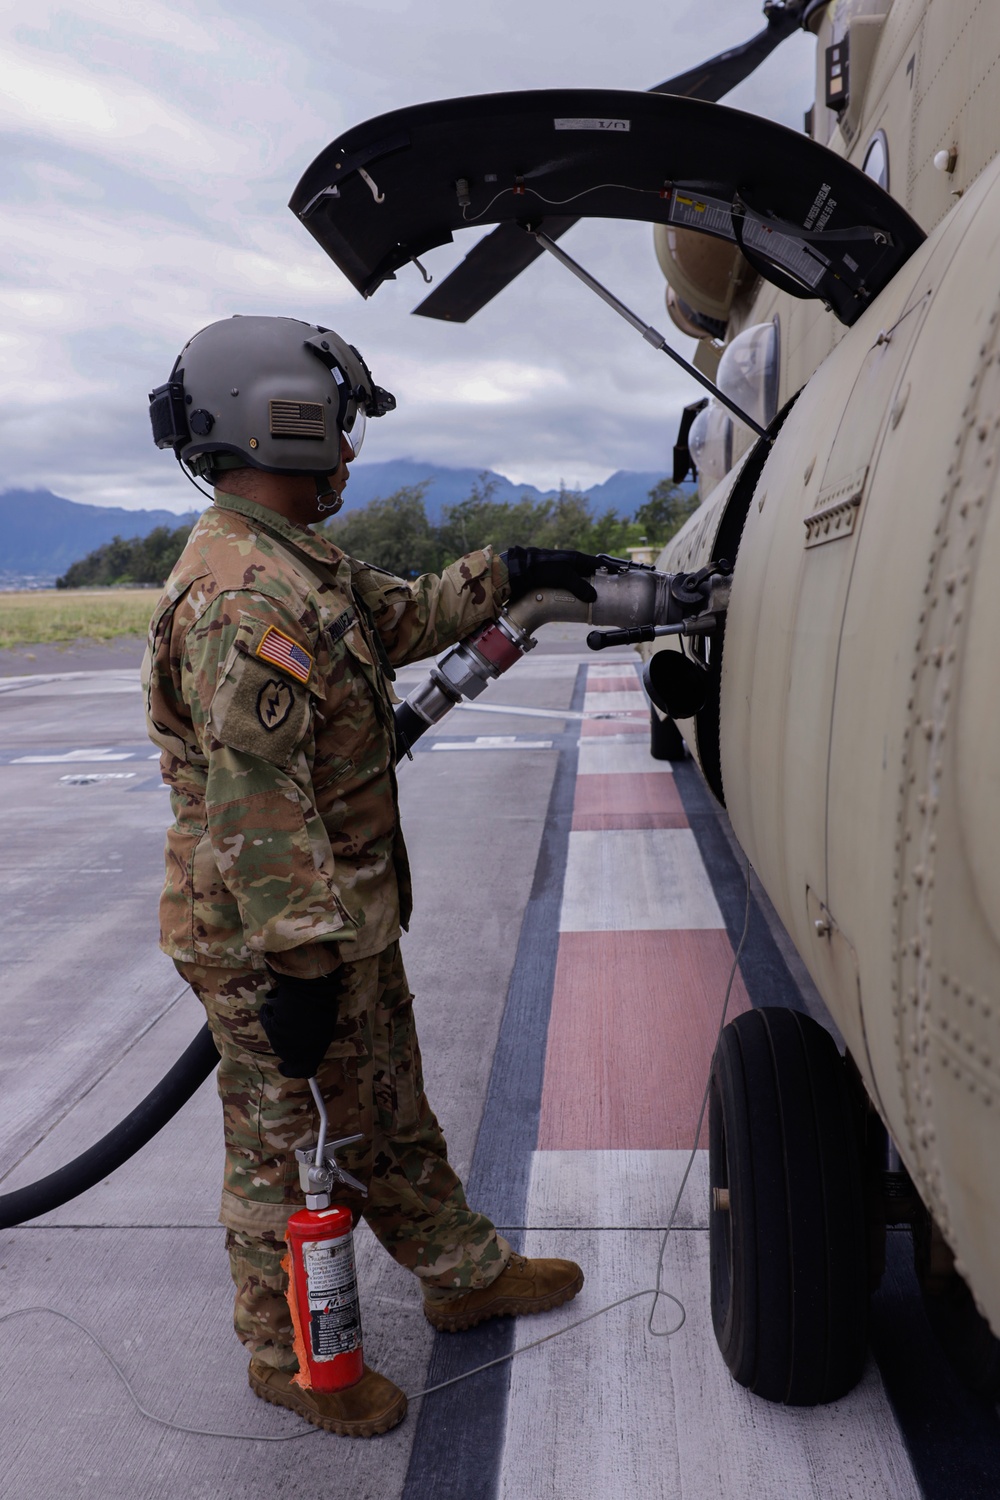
{"x":710,"y":215}
{"x":715,"y":216}
{"x":573,"y":124}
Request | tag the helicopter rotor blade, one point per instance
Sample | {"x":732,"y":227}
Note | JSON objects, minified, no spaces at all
{"x":494,"y":262}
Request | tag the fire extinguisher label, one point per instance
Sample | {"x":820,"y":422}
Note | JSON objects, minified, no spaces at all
{"x":332,"y":1291}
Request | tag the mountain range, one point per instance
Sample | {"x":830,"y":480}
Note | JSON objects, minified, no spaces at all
{"x":42,"y":533}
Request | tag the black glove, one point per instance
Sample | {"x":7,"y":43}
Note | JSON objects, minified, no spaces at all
{"x":299,"y":1018}
{"x":539,"y":568}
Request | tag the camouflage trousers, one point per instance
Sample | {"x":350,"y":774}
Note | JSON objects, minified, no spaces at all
{"x":372,"y":1083}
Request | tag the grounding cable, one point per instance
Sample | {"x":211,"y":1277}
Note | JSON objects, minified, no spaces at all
{"x":656,"y":1291}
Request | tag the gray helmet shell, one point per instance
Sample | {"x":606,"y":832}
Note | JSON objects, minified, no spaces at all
{"x":271,"y":393}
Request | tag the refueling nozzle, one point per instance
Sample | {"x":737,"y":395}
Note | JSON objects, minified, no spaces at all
{"x":634,"y":597}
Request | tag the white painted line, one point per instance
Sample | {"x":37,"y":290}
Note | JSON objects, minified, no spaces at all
{"x":608,"y":1410}
{"x":641,"y":879}
{"x":492,"y":742}
{"x":616,"y":1190}
{"x":50,"y":684}
{"x":608,"y":756}
{"x":613,"y":669}
{"x":620,"y":702}
{"x":72,"y":755}
{"x":88,"y":778}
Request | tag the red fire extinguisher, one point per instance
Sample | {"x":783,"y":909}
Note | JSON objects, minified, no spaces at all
{"x":322,"y":1279}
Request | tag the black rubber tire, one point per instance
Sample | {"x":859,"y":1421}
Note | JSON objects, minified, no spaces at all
{"x":789,"y":1258}
{"x":665,"y":741}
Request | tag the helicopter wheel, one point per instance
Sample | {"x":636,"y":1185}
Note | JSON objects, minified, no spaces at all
{"x":665,"y":741}
{"x":787,"y":1233}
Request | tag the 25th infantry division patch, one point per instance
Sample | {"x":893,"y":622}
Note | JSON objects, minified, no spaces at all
{"x":274,"y":703}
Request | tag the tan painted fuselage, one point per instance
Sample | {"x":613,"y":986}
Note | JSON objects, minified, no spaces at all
{"x":859,"y":704}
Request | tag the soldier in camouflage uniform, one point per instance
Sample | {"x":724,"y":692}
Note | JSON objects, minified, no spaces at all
{"x":268,"y":669}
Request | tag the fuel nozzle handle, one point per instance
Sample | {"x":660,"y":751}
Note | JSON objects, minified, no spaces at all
{"x":319,"y":1170}
{"x":628,"y":594}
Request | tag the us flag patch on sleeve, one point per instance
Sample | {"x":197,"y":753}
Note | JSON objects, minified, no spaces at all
{"x":281,"y":651}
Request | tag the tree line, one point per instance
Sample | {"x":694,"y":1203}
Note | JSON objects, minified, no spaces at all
{"x":397,"y":534}
{"x":140,"y":559}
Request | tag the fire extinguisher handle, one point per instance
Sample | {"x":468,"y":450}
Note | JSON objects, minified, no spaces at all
{"x":324,"y":1124}
{"x":319,"y":1168}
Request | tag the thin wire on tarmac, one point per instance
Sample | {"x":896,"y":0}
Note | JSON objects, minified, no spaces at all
{"x":656,"y":1291}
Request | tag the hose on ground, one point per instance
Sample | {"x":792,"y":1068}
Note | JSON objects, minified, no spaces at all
{"x":162,"y":1102}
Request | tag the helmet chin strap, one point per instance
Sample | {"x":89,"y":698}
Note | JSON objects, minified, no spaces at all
{"x":324,"y":488}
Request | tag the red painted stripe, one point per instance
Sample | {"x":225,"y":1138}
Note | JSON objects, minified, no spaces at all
{"x":635,"y":724}
{"x":630,"y":799}
{"x":627,"y":684}
{"x":633,"y":1024}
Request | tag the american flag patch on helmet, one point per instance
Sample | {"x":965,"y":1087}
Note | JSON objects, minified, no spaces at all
{"x":281,"y":651}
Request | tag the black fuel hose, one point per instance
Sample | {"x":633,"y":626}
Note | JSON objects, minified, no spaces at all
{"x":174,"y":1089}
{"x":160,"y":1104}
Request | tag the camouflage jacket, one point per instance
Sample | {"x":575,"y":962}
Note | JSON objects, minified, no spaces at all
{"x":266,"y":679}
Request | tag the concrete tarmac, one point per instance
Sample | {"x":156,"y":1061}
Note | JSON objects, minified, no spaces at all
{"x":93,"y":1014}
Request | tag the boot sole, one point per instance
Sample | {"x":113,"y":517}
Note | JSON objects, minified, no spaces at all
{"x":374,"y":1428}
{"x":504,"y":1307}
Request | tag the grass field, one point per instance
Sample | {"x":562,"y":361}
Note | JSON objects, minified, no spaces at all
{"x":37,"y":616}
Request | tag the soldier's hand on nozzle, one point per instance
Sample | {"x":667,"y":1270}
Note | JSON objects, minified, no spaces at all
{"x":540,"y":568}
{"x":299,"y":1017}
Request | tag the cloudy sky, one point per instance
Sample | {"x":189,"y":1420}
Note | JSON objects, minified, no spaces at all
{"x":148,"y":154}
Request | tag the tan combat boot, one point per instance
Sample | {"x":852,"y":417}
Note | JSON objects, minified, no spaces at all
{"x":523,"y":1286}
{"x":363,"y":1410}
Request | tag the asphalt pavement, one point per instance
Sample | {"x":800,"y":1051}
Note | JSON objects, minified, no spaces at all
{"x":577,"y":907}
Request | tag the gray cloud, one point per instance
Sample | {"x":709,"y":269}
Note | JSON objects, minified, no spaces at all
{"x":149,"y":152}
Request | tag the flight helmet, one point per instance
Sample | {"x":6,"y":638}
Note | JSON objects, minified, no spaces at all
{"x":266,"y":393}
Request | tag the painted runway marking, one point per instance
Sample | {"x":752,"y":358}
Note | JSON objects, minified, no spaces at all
{"x":621,"y":682}
{"x":627,"y":799}
{"x":606,"y":757}
{"x":620,"y":1189}
{"x":492,"y":742}
{"x":618,"y":701}
{"x":631,"y":1034}
{"x":641,"y":972}
{"x":75,"y":684}
{"x":630,"y":724}
{"x":655,"y":1417}
{"x":628,"y":880}
{"x":72,"y":755}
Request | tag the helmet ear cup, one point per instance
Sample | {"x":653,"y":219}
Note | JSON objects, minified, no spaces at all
{"x":168,"y":415}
